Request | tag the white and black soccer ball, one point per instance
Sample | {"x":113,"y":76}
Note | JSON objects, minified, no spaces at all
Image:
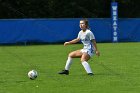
{"x":32,"y":74}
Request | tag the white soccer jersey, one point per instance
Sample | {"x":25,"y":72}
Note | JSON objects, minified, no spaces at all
{"x":86,"y":38}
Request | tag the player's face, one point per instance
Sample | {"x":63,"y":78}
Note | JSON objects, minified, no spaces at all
{"x":82,"y":25}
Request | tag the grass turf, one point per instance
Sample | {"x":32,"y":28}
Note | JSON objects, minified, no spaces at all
{"x":117,"y":70}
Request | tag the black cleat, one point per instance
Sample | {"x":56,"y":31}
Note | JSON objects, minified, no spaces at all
{"x":66,"y":72}
{"x":90,"y":74}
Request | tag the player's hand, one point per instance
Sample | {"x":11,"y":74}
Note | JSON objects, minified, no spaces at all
{"x":66,"y":43}
{"x":97,"y":53}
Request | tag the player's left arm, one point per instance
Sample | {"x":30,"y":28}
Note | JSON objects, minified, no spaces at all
{"x":95,"y":47}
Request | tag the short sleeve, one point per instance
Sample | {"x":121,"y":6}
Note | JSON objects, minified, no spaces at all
{"x":79,"y":34}
{"x":91,"y":36}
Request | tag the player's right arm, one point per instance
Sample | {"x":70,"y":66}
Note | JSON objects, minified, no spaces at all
{"x":95,"y":47}
{"x":72,"y":41}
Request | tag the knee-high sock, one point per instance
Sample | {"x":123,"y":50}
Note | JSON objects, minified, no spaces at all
{"x":87,"y":67}
{"x":68,"y":63}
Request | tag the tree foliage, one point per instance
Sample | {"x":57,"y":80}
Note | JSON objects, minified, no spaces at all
{"x":66,"y":8}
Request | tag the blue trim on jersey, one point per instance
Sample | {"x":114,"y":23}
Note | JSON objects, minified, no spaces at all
{"x":91,"y":49}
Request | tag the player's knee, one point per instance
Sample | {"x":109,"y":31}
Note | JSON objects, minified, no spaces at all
{"x":70,"y":55}
{"x":83,"y":59}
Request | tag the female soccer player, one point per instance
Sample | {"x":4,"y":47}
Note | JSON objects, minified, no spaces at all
{"x":90,"y":47}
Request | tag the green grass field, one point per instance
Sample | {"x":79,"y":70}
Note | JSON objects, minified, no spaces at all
{"x":117,"y":70}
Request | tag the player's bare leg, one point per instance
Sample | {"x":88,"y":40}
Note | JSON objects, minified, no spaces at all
{"x":85,"y":57}
{"x":74,"y":54}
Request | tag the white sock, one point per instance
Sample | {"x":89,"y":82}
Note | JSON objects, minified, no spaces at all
{"x":87,"y":67}
{"x":68,"y":63}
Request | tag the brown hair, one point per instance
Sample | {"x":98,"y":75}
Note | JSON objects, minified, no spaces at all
{"x":86,"y":22}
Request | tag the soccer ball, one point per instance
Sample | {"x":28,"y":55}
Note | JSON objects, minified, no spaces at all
{"x":32,"y":74}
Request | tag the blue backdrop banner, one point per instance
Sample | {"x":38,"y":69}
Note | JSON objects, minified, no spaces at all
{"x":61,"y":30}
{"x":114,"y":14}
